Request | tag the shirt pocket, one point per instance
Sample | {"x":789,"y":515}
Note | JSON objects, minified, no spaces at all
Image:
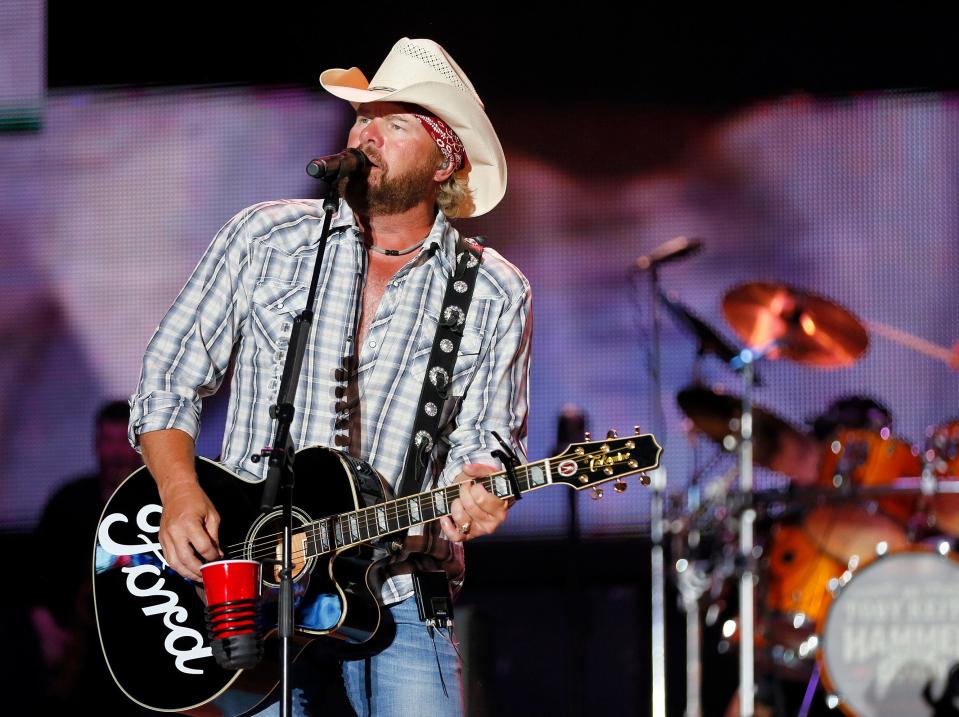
{"x":274,"y":306}
{"x":472,"y":346}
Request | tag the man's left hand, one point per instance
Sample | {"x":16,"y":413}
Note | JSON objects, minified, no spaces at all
{"x":477,"y":511}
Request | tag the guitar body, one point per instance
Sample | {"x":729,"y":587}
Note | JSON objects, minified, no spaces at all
{"x":151,"y":620}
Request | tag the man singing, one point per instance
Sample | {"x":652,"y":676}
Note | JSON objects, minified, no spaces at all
{"x":432,"y":156}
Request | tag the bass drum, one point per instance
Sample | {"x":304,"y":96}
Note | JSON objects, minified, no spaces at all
{"x":890,"y":641}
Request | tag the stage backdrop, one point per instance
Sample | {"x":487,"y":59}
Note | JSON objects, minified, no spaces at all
{"x":106,"y":208}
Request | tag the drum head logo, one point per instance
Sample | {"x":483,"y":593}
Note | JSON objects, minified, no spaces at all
{"x":892,"y":634}
{"x":567,"y":468}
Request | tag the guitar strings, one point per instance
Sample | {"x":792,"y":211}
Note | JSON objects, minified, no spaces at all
{"x":258,"y":550}
{"x":394,"y":509}
{"x":366,"y":518}
{"x":265,"y":545}
{"x":398,"y":506}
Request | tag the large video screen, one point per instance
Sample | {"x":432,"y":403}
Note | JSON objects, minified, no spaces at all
{"x":107,"y":206}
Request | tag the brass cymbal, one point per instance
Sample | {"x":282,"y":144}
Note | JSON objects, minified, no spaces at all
{"x":717,"y":415}
{"x":807,"y":328}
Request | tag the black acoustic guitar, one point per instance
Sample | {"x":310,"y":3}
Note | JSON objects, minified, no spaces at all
{"x":151,"y":620}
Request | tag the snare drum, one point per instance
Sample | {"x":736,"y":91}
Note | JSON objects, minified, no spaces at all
{"x":891,"y":635}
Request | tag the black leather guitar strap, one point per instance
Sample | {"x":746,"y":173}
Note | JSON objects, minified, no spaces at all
{"x":439,"y":372}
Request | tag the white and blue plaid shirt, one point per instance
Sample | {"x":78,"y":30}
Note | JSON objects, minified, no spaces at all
{"x":239,"y":305}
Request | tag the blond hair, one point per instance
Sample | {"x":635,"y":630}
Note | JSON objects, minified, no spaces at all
{"x":455,"y":197}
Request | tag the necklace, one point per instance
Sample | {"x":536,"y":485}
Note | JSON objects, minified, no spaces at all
{"x":398,"y":252}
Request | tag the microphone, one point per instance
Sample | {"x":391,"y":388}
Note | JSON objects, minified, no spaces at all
{"x":672,"y":250}
{"x":334,"y":166}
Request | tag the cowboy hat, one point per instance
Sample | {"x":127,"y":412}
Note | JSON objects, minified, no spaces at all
{"x":421,"y":72}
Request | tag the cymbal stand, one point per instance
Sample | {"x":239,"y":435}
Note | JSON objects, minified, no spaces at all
{"x":747,"y":658}
{"x":748,"y":518}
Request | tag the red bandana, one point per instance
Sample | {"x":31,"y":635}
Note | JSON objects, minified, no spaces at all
{"x":446,"y":139}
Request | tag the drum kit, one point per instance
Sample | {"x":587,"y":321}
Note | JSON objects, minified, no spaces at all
{"x":857,"y":582}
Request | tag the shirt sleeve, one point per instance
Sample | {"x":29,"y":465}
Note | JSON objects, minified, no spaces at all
{"x":190,"y":351}
{"x":498,"y":397}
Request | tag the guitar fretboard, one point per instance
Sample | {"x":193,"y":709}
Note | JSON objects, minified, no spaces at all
{"x":377,"y":521}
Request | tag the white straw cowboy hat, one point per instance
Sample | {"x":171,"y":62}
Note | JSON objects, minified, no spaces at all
{"x":422,"y":73}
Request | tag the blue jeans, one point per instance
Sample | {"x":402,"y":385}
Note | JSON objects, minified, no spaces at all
{"x":401,"y":680}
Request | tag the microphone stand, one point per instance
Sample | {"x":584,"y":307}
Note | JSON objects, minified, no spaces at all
{"x":280,"y":474}
{"x":656,"y":524}
{"x":670,"y":251}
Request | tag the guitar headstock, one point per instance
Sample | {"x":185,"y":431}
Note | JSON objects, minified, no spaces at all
{"x":589,"y":463}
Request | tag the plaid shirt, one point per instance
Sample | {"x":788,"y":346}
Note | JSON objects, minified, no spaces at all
{"x":239,"y":305}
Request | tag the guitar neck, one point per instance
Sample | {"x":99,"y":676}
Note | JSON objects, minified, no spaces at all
{"x":583,"y":465}
{"x":369,"y":524}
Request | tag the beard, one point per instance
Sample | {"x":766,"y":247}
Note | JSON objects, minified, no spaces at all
{"x":386,"y":195}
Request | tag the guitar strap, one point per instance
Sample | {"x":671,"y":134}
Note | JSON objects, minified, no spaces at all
{"x":439,"y":371}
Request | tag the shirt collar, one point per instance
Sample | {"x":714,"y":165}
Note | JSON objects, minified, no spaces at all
{"x":441,"y":241}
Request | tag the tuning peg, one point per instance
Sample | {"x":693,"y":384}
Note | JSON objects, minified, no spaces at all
{"x":611,"y":433}
{"x":597,"y":493}
{"x":636,"y":429}
{"x":620,"y":486}
{"x":587,"y":436}
{"x":644,"y":479}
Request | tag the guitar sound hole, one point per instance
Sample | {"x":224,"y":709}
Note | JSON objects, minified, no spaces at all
{"x":267,"y":546}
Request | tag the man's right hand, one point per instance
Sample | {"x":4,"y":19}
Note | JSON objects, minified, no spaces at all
{"x":190,"y":524}
{"x":189,"y":527}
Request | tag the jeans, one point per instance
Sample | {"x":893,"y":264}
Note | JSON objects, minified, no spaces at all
{"x":402,"y":679}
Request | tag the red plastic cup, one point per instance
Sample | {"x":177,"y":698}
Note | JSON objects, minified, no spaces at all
{"x":229,"y":580}
{"x":232,"y":589}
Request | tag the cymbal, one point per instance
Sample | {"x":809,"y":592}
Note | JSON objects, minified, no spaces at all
{"x":808,"y":329}
{"x":717,"y":415}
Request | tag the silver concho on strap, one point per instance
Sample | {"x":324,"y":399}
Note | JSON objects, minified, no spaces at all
{"x":423,"y":441}
{"x":454,"y":311}
{"x":430,"y":409}
{"x":446,"y":345}
{"x":471,"y":261}
{"x":459,"y":287}
{"x":439,"y":377}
